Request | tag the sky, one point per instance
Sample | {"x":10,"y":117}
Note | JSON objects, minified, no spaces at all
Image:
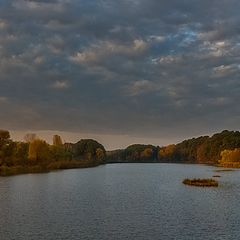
{"x":147,"y":71}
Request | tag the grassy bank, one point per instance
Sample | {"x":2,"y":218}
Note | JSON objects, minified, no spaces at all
{"x":59,"y":165}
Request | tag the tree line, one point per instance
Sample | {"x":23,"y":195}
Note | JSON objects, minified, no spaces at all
{"x":204,"y":149}
{"x":36,"y":155}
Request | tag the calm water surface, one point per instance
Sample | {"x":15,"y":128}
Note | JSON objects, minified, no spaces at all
{"x":120,"y":201}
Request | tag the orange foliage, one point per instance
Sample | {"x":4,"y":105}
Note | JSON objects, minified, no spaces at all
{"x":166,"y":152}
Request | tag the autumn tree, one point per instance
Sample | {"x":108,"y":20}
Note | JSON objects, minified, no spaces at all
{"x":39,"y":152}
{"x":57,"y":141}
{"x":230,"y":156}
{"x":100,"y":154}
{"x":166,"y":153}
{"x":147,"y":153}
{"x":203,"y":153}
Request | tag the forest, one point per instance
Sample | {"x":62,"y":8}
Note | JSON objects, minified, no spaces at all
{"x":36,"y":155}
{"x":204,"y":149}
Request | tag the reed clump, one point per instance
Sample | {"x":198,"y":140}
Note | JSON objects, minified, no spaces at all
{"x":208,"y":182}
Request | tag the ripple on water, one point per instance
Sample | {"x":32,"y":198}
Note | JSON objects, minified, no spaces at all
{"x":120,"y":201}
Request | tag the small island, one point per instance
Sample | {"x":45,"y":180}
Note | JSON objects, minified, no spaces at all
{"x":201,"y":182}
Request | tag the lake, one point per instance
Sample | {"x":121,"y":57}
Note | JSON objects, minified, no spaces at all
{"x":120,"y":201}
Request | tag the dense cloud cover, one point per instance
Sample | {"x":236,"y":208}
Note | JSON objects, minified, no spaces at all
{"x":153,"y":68}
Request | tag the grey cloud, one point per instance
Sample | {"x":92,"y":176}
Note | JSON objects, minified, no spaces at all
{"x":145,"y":67}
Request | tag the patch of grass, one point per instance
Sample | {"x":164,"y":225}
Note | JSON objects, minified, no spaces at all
{"x":58,"y":165}
{"x":14,"y":170}
{"x":208,"y":182}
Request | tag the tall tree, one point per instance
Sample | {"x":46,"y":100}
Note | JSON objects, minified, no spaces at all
{"x":57,"y":141}
{"x":39,"y":151}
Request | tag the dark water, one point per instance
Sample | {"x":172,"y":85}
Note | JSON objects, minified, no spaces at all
{"x":120,"y":201}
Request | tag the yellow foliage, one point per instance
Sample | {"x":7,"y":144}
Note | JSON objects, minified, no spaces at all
{"x":230,"y":156}
{"x":38,"y":150}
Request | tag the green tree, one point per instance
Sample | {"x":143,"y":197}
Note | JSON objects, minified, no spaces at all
{"x":86,"y":149}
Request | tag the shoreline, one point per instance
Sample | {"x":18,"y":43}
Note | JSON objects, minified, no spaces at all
{"x":21,"y":170}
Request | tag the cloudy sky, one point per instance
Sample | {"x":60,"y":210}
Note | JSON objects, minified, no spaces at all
{"x":122,"y":71}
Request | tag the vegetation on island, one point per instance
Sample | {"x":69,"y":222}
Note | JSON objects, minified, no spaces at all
{"x":36,"y":155}
{"x":208,"y":182}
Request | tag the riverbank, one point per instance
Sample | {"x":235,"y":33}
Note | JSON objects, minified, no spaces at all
{"x":72,"y":164}
{"x":60,"y":165}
